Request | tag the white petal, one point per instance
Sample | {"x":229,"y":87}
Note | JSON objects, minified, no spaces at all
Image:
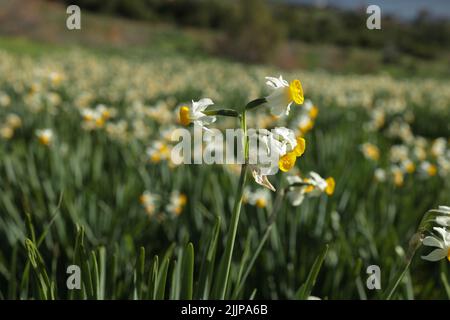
{"x":442,"y":232}
{"x":436,"y":255}
{"x":443,"y":221}
{"x":276,"y":82}
{"x":293,"y":179}
{"x":432,"y":242}
{"x":202,"y":104}
{"x":208,"y":119}
{"x":296,"y":197}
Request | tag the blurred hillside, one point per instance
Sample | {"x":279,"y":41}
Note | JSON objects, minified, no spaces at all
{"x":256,"y":31}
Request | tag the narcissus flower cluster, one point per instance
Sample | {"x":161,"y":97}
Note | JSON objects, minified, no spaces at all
{"x":10,"y":125}
{"x":153,"y":204}
{"x":282,"y":143}
{"x":410,"y":154}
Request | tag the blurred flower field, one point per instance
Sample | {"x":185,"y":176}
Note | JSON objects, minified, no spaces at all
{"x":86,"y":178}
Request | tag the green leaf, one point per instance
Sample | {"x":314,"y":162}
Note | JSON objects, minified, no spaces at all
{"x":207,"y":268}
{"x":188,"y":273}
{"x":162,"y":278}
{"x":305,"y":290}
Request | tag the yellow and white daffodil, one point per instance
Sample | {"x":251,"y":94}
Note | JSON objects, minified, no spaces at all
{"x":304,"y":124}
{"x":428,"y":169}
{"x":439,"y":147}
{"x":311,"y":109}
{"x":279,"y":144}
{"x":12,"y":122}
{"x":378,"y":118}
{"x":283,"y":95}
{"x":408,"y":166}
{"x":105,"y":112}
{"x":321,"y":185}
{"x":96,"y":118}
{"x":149,"y":201}
{"x":398,"y":175}
{"x":45,"y":136}
{"x":92,"y":119}
{"x":259,"y":198}
{"x":370,"y":151}
{"x":195,"y":114}
{"x":159,"y":151}
{"x":441,"y":242}
{"x":312,"y":186}
{"x":177,"y":202}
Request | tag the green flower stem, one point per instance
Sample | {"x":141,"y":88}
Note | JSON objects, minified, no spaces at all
{"x":236,"y":213}
{"x":391,"y":289}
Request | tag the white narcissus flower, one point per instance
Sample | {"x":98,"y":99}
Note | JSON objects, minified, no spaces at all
{"x":312,"y":186}
{"x":311,"y":108}
{"x":283,"y":95}
{"x":442,"y":243}
{"x":439,"y":147}
{"x":287,"y":137}
{"x":149,"y":201}
{"x":195,"y":114}
{"x":428,"y":169}
{"x":408,"y":166}
{"x":323,"y":185}
{"x":279,"y":147}
{"x":304,"y":123}
{"x":45,"y":136}
{"x":92,"y":119}
{"x":380,"y":175}
{"x":370,"y":151}
{"x":398,"y":175}
{"x":160,"y":150}
{"x":177,"y":202}
{"x":259,"y":198}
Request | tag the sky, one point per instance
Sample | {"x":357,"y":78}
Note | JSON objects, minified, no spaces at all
{"x":405,"y":9}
